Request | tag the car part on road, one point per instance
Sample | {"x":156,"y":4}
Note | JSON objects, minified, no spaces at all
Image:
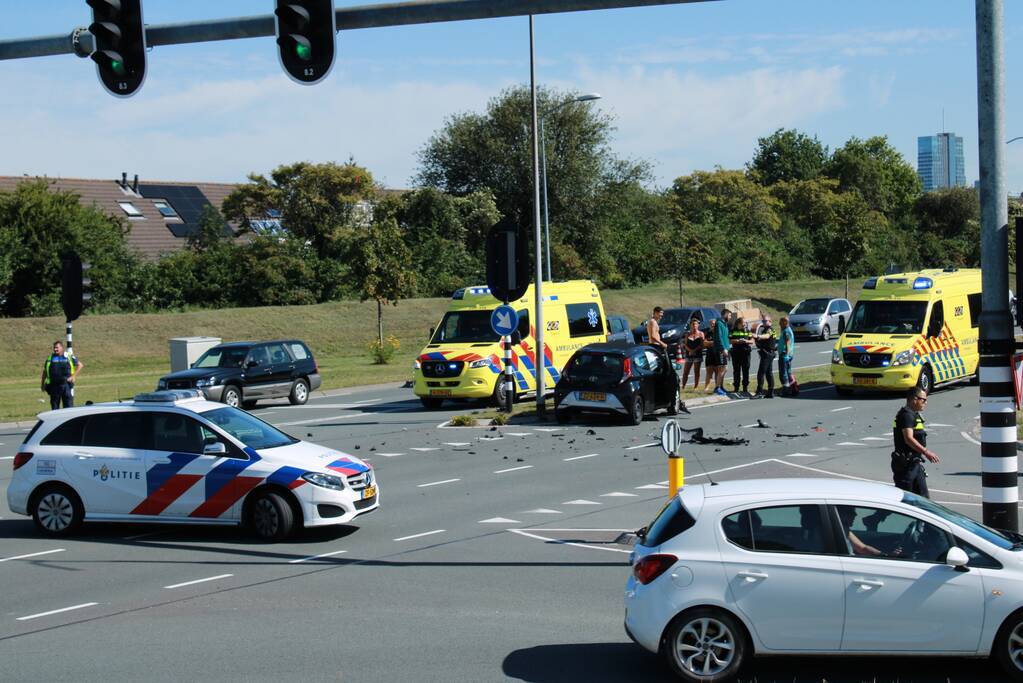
{"x":698,"y":437}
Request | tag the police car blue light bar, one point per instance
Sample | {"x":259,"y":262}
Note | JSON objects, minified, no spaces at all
{"x":923,"y":283}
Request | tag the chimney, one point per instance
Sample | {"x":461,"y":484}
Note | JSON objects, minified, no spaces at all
{"x":135,"y":184}
{"x":124,"y":179}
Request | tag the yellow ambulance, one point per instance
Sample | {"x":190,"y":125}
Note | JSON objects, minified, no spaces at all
{"x":910,"y":329}
{"x":465,"y":357}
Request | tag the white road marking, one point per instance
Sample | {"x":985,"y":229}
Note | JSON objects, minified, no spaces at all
{"x":328,"y":406}
{"x":316,"y":557}
{"x":850,"y":443}
{"x":581,"y":457}
{"x":824,"y":448}
{"x":821,"y":353}
{"x":800,"y":455}
{"x":581,"y":501}
{"x":643,"y":445}
{"x":873,"y":438}
{"x":838,"y":410}
{"x":877,"y":481}
{"x":368,"y":400}
{"x":457,"y":443}
{"x":437,"y":483}
{"x":733,"y":467}
{"x":513,"y":469}
{"x":749,"y":426}
{"x":543,"y":511}
{"x":938,"y":424}
{"x":577,"y":545}
{"x":22,"y":557}
{"x":389,"y":455}
{"x":969,"y":438}
{"x":652,"y":486}
{"x":519,"y":433}
{"x":491,"y":438}
{"x":425,"y":533}
{"x":192,"y":583}
{"x":424,"y":450}
{"x":723,"y":403}
{"x":6,"y":457}
{"x":618,"y":494}
{"x":318,"y":419}
{"x":58,"y":611}
{"x":498,"y":520}
{"x":547,"y":429}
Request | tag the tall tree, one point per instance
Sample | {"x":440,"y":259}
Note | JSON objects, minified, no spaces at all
{"x":949,"y":227}
{"x":879,"y":173}
{"x":381,"y":267}
{"x":788,"y":155}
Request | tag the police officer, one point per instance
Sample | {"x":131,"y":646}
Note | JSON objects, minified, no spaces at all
{"x":58,"y":379}
{"x":767,"y":348}
{"x":911,"y":445}
{"x":742,"y":348}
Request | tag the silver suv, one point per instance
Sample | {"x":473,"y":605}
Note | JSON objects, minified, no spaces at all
{"x":820,"y":318}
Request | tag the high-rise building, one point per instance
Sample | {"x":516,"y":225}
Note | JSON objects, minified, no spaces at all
{"x":940,"y":161}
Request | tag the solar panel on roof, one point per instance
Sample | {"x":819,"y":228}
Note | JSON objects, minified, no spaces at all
{"x":188,"y":201}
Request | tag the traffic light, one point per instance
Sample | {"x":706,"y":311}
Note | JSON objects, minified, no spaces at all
{"x":305,"y":38}
{"x":120,"y":53}
{"x":75,"y":287}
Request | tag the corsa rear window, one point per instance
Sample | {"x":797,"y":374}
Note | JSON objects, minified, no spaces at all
{"x":671,"y":521}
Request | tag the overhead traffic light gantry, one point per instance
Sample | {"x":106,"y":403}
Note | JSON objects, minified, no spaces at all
{"x":120,"y":53}
{"x":306,"y":32}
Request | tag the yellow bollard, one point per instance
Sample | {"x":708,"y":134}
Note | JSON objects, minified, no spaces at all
{"x":676,"y":473}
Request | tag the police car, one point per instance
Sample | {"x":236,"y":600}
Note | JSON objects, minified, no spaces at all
{"x":173,"y":456}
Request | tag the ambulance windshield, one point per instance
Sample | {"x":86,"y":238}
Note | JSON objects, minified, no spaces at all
{"x":888,"y":317}
{"x":465,"y":327}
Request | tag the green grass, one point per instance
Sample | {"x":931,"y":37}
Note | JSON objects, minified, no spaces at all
{"x":126,"y":353}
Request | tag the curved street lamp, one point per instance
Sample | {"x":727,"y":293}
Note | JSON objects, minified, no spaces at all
{"x":1019,"y":137}
{"x":589,"y":97}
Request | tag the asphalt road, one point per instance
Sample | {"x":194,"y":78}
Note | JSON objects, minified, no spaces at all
{"x":492,"y":556}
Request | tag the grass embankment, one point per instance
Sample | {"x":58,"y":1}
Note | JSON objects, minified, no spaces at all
{"x":126,"y":353}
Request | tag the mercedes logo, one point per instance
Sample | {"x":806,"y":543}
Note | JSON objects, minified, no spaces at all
{"x":439,"y":368}
{"x":865,"y":359}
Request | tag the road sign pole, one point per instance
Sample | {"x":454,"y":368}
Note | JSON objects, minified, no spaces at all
{"x":676,"y":474}
{"x":539,"y":354}
{"x":509,"y":385}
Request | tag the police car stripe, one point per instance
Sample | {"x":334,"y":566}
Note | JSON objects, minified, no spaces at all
{"x":170,"y":491}
{"x":158,"y":475}
{"x":225,"y":497}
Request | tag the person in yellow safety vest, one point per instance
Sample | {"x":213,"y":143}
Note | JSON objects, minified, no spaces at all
{"x":59,"y":372}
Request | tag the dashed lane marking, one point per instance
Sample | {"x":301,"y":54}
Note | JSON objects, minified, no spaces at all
{"x":543,"y":511}
{"x":498,"y":520}
{"x":192,"y":583}
{"x":749,"y":426}
{"x":873,"y":438}
{"x":824,"y":448}
{"x":425,"y":533}
{"x":518,"y":433}
{"x":618,"y":494}
{"x":652,"y":486}
{"x":513,"y":469}
{"x":24,"y":557}
{"x":491,"y":438}
{"x":851,"y":443}
{"x":424,"y":449}
{"x":316,"y":557}
{"x":457,"y":443}
{"x":581,"y":501}
{"x":581,"y":457}
{"x":318,"y":419}
{"x":938,"y":424}
{"x":642,"y":445}
{"x":821,"y":353}
{"x":547,"y":429}
{"x":800,"y":455}
{"x":838,"y":410}
{"x":437,"y":483}
{"x":389,"y":455}
{"x":850,"y":476}
{"x":58,"y":611}
{"x":6,"y":457}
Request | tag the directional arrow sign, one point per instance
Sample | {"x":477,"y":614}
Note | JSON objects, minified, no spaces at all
{"x":504,"y":320}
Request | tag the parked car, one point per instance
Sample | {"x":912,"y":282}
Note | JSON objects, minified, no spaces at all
{"x":675,"y":323}
{"x":820,"y":317}
{"x":617,"y":378}
{"x":241,"y":373}
{"x":618,"y":329}
{"x":173,"y":456}
{"x":824,"y":567}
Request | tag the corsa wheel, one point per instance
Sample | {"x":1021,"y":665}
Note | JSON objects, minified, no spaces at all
{"x":705,"y":645}
{"x":57,"y":511}
{"x":1009,"y":647}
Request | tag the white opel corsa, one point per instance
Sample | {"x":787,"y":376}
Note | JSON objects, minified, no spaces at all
{"x":172,"y":456}
{"x":820,"y":566}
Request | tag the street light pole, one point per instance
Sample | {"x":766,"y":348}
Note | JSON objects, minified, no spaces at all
{"x":539,"y":354}
{"x":543,"y":154}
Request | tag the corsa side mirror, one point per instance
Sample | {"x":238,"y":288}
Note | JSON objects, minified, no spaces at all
{"x":957,"y":559}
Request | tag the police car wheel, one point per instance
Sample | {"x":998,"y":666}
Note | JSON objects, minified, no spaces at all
{"x":271,"y":517}
{"x":232,"y":396}
{"x":57,"y":510}
{"x":299,"y":393}
{"x":1008,"y":648}
{"x":705,"y":645}
{"x":638,"y":410}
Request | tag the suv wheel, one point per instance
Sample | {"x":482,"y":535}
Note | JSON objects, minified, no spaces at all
{"x":232,"y":396}
{"x":299,"y":393}
{"x":705,"y":645}
{"x":271,"y":517}
{"x":57,"y":511}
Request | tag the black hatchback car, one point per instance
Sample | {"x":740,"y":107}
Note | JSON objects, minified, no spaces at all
{"x":617,"y":378}
{"x":241,"y":373}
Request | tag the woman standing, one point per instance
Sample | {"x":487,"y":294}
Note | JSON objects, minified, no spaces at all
{"x":742,"y":350}
{"x":785,"y":353}
{"x":693,"y":341}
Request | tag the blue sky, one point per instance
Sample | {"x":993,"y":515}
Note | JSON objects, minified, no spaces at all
{"x":691,"y":86}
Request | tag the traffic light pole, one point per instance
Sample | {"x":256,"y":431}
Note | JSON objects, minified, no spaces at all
{"x":999,"y":466}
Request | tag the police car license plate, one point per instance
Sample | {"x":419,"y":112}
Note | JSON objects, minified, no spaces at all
{"x":864,"y":380}
{"x":369,"y":492}
{"x":440,"y":392}
{"x":592,"y":396}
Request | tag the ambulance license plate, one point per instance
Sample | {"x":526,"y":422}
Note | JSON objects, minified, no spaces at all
{"x":592,"y":396}
{"x":369,"y":492}
{"x":440,"y":392}
{"x":864,"y":380}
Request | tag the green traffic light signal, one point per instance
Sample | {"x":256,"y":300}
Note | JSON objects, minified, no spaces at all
{"x":117,"y":66}
{"x":303,"y":52}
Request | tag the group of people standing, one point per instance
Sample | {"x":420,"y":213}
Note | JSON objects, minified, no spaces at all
{"x":734,"y":341}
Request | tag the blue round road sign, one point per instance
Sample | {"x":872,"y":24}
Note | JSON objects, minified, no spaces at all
{"x":504,"y":320}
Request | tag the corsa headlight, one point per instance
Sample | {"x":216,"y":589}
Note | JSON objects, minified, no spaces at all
{"x":836,"y":357}
{"x":481,"y":363}
{"x":902,"y":358}
{"x":327,"y":481}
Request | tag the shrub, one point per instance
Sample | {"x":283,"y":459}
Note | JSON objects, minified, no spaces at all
{"x":383,"y":352}
{"x":463,"y":421}
{"x":500,"y":420}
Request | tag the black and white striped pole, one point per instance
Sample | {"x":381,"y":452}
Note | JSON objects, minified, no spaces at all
{"x":999,"y":466}
{"x":509,"y":386}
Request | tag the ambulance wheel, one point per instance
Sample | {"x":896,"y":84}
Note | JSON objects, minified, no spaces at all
{"x":638,"y":411}
{"x":431,"y":403}
{"x":843,"y":391}
{"x":926,"y":379}
{"x":825,"y":333}
{"x":499,"y":398}
{"x":57,"y":510}
{"x":270,"y":516}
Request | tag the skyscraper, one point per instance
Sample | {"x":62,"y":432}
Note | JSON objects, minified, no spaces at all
{"x":940,"y":161}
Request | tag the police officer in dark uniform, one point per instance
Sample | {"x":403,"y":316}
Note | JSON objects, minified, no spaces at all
{"x":911,"y":445}
{"x":742,"y":349}
{"x":767,"y":348}
{"x":58,"y":377}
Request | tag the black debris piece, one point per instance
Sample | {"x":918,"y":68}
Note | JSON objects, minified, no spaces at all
{"x":590,"y":432}
{"x":791,"y":436}
{"x":959,"y":405}
{"x":599,"y":438}
{"x":762,"y":425}
{"x":717,"y":450}
{"x":698,"y":437}
{"x":373,"y":448}
{"x":505,"y":457}
{"x":831,"y":433}
{"x":572,"y":441}
{"x":519,"y":460}
{"x":309,"y":434}
{"x":357,"y":447}
{"x":493,"y":429}
{"x":472,"y":452}
{"x":685,"y":410}
{"x":635,"y":460}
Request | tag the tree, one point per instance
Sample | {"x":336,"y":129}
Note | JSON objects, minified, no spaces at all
{"x":322,"y":204}
{"x":381,"y":267}
{"x":788,"y":155}
{"x":213,"y":230}
{"x":878,"y":172}
{"x":948,"y":231}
